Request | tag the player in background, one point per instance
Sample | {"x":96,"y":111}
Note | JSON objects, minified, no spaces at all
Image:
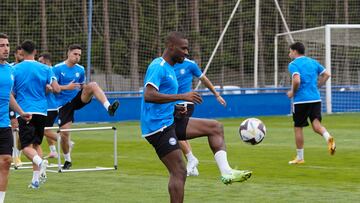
{"x":185,"y":72}
{"x":30,"y":80}
{"x":14,"y":123}
{"x":6,"y":100}
{"x":307,"y":76}
{"x":52,"y":110}
{"x":157,"y":119}
{"x":75,"y":94}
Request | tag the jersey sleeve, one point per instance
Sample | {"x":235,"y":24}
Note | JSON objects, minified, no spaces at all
{"x":50,"y":76}
{"x":320,"y":68}
{"x":293,"y":70}
{"x":153,"y":76}
{"x":195,"y":69}
{"x":56,"y":71}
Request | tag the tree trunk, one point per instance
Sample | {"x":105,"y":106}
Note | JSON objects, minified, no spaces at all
{"x":17,"y":22}
{"x":220,"y":7}
{"x":134,"y":44}
{"x":194,"y":8}
{"x":159,"y":50}
{"x":108,"y":65}
{"x":261,"y":65}
{"x":346,"y":74}
{"x":303,"y":13}
{"x":44,"y":46}
{"x":241,"y":49}
{"x":176,"y":15}
{"x":85,"y":17}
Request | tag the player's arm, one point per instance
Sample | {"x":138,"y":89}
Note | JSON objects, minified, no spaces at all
{"x":323,"y":78}
{"x":151,"y":94}
{"x":295,"y":84}
{"x":15,"y":106}
{"x":71,"y":86}
{"x":211,"y":87}
{"x":55,"y":86}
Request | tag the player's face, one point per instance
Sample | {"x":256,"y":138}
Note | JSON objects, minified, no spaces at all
{"x":180,"y":50}
{"x":19,"y":56}
{"x":44,"y":61}
{"x":74,"y":56}
{"x":292,"y":53}
{"x":4,"y":49}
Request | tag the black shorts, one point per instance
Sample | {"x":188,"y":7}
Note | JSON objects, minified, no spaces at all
{"x":66,"y":112}
{"x":164,"y":142}
{"x":302,"y":112}
{"x":31,"y":132}
{"x":50,"y":118}
{"x":181,"y":121}
{"x":6,"y":141}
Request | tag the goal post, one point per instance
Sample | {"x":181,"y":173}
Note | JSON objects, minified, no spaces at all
{"x":337,"y":47}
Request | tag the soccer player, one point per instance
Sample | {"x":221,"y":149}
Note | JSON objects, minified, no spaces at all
{"x":52,"y":110}
{"x":18,"y":55}
{"x":185,"y":72}
{"x":307,"y":75}
{"x":75,"y":94}
{"x":30,"y":80}
{"x":157,"y":119}
{"x":6,"y":100}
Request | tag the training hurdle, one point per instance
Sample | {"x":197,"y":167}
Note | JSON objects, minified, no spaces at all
{"x":98,"y":168}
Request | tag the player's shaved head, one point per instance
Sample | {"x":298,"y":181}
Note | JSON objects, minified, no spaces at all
{"x":28,"y":46}
{"x":173,"y":38}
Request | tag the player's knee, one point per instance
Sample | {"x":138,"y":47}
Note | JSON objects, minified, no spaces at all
{"x":217,"y":128}
{"x":5,"y":162}
{"x":92,"y":85}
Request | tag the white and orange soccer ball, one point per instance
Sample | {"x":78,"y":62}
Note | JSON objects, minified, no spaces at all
{"x":252,"y":131}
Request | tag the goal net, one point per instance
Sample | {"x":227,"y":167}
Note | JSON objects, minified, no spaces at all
{"x":337,"y":47}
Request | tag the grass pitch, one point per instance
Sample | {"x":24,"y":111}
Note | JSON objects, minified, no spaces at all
{"x":141,"y":177}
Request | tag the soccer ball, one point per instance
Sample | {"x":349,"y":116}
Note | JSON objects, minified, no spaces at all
{"x":252,"y":131}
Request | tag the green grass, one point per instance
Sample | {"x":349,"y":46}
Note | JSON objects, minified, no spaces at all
{"x":141,"y":177}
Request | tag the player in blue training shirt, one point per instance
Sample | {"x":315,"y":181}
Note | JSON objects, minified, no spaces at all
{"x":307,"y":75}
{"x":157,"y":119}
{"x":52,"y":110}
{"x":75,"y":94}
{"x":31,"y":78}
{"x":185,"y":72}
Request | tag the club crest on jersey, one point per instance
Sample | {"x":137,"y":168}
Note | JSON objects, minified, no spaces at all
{"x":182,"y":71}
{"x":77,"y":75}
{"x":172,"y":141}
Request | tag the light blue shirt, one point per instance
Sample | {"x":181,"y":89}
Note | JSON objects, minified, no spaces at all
{"x":51,"y":101}
{"x":30,"y":80}
{"x":308,"y":69}
{"x":64,"y":76}
{"x":156,"y":117}
{"x":184,"y":73}
{"x":6,"y":85}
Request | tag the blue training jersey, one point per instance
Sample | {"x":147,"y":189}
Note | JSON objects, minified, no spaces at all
{"x":64,"y":76}
{"x":51,"y":101}
{"x":6,"y":85}
{"x":156,"y":117}
{"x":31,"y":78}
{"x":308,"y":69}
{"x":184,"y":73}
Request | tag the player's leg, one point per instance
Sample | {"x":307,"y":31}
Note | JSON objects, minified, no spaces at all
{"x":192,"y":161}
{"x":92,"y":89}
{"x":176,"y":167}
{"x":315,"y":118}
{"x":300,"y":116}
{"x":65,"y":145}
{"x":51,"y":136}
{"x":6,"y":144}
{"x":214,"y":131}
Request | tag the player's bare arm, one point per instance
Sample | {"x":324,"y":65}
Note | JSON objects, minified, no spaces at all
{"x":151,"y":94}
{"x":295,"y":86}
{"x":211,"y":87}
{"x":323,"y":78}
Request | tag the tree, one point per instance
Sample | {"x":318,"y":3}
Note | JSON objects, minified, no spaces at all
{"x":134,"y":44}
{"x":108,"y":65}
{"x":44,"y":46}
{"x":194,"y":13}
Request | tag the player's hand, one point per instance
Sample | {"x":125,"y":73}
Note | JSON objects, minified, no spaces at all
{"x":73,"y":85}
{"x":221,"y":100}
{"x":193,"y":97}
{"x":49,"y":88}
{"x":290,"y":94}
{"x":14,"y":123}
{"x":26,"y":116}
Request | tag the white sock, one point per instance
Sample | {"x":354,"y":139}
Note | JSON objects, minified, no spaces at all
{"x":300,"y":154}
{"x":52,"y":148}
{"x":2,"y":196}
{"x":36,"y":176}
{"x":190,"y":156}
{"x":326,"y":136}
{"x":222,"y":162}
{"x":37,"y":160}
{"x":106,"y":104}
{"x":67,"y":157}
